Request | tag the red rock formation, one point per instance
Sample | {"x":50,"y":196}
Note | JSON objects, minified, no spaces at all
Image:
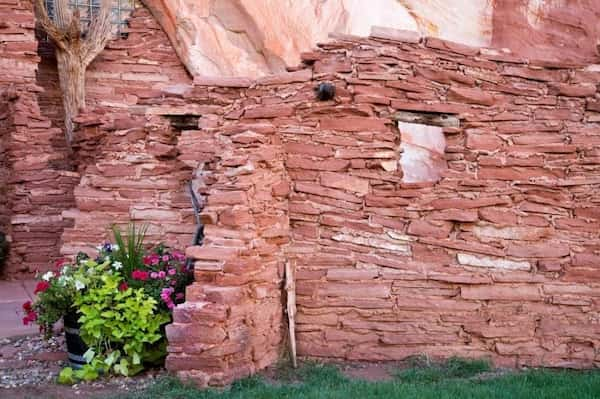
{"x":250,"y":38}
{"x":560,"y":31}
{"x":254,"y":38}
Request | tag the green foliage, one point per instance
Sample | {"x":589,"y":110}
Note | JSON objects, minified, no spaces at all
{"x":66,"y":376}
{"x":130,"y":250}
{"x":123,"y":300}
{"x":56,"y":301}
{"x":325,"y":382}
{"x":119,"y":326}
{"x":424,"y":371}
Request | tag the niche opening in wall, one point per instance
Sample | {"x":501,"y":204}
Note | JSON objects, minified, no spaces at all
{"x":423,"y":145}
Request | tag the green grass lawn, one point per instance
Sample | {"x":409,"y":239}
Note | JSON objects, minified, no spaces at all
{"x":453,"y":379}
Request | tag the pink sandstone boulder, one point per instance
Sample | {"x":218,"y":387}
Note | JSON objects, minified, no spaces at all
{"x":254,"y":38}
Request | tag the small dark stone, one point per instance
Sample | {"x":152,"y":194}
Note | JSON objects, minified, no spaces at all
{"x":325,"y":91}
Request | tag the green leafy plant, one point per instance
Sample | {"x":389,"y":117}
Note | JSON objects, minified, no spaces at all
{"x":56,"y":292}
{"x":122,"y":298}
{"x":130,"y":249}
{"x":120,"y":325}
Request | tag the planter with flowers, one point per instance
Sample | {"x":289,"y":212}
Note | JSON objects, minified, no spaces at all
{"x":114,"y":307}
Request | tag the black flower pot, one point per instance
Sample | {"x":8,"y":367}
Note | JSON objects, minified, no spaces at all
{"x":75,"y":345}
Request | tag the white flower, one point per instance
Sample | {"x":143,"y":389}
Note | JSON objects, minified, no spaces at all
{"x":48,"y":275}
{"x":117,"y":265}
{"x":64,"y":280}
{"x":79,"y":285}
{"x":107,"y":258}
{"x":100,"y":247}
{"x":115,"y":247}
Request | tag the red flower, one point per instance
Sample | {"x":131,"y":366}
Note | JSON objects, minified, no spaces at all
{"x":139,"y":275}
{"x":60,"y":262}
{"x":41,"y":287}
{"x":123,"y":286}
{"x":27,"y":307}
{"x":30,"y":318}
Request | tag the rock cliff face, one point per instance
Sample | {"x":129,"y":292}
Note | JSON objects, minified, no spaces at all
{"x":253,"y":38}
{"x":560,"y":30}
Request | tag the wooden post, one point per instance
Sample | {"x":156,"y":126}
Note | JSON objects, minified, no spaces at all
{"x":290,"y":287}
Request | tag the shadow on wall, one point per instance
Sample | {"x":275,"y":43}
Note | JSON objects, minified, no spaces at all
{"x":3,"y":249}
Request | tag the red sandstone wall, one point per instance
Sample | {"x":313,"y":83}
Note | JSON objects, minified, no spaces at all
{"x":125,"y":170}
{"x":230,"y":326}
{"x":38,"y":187}
{"x":387,"y":270}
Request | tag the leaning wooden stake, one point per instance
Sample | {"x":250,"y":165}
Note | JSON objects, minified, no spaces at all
{"x":290,"y":287}
{"x":75,"y":50}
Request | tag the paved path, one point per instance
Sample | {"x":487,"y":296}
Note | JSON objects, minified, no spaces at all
{"x":12,"y":296}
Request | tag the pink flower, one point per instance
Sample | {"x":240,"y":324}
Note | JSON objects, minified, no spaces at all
{"x":154,"y":275}
{"x":173,"y":282}
{"x":170,"y":305}
{"x":165,"y":258}
{"x":139,"y":275}
{"x":179,"y":256}
{"x":162,"y":274}
{"x":172,"y":272}
{"x":154,"y":259}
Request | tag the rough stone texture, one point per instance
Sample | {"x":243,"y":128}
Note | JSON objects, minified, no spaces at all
{"x":548,"y":30}
{"x":36,"y":185}
{"x":237,"y":293}
{"x":498,"y":258}
{"x":254,"y":38}
{"x":126,"y":149}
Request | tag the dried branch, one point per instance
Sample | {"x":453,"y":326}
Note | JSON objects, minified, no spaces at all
{"x":290,"y":287}
{"x":62,"y":14}
{"x":99,"y":33}
{"x":74,"y":53}
{"x":56,"y":34}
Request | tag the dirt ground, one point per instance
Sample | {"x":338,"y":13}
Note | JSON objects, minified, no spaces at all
{"x":29,"y":367}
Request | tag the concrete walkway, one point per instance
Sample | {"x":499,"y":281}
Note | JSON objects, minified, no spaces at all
{"x":12,"y":296}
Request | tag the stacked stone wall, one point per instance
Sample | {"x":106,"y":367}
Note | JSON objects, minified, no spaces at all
{"x":498,"y":259}
{"x":125,"y":150}
{"x":34,"y":183}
